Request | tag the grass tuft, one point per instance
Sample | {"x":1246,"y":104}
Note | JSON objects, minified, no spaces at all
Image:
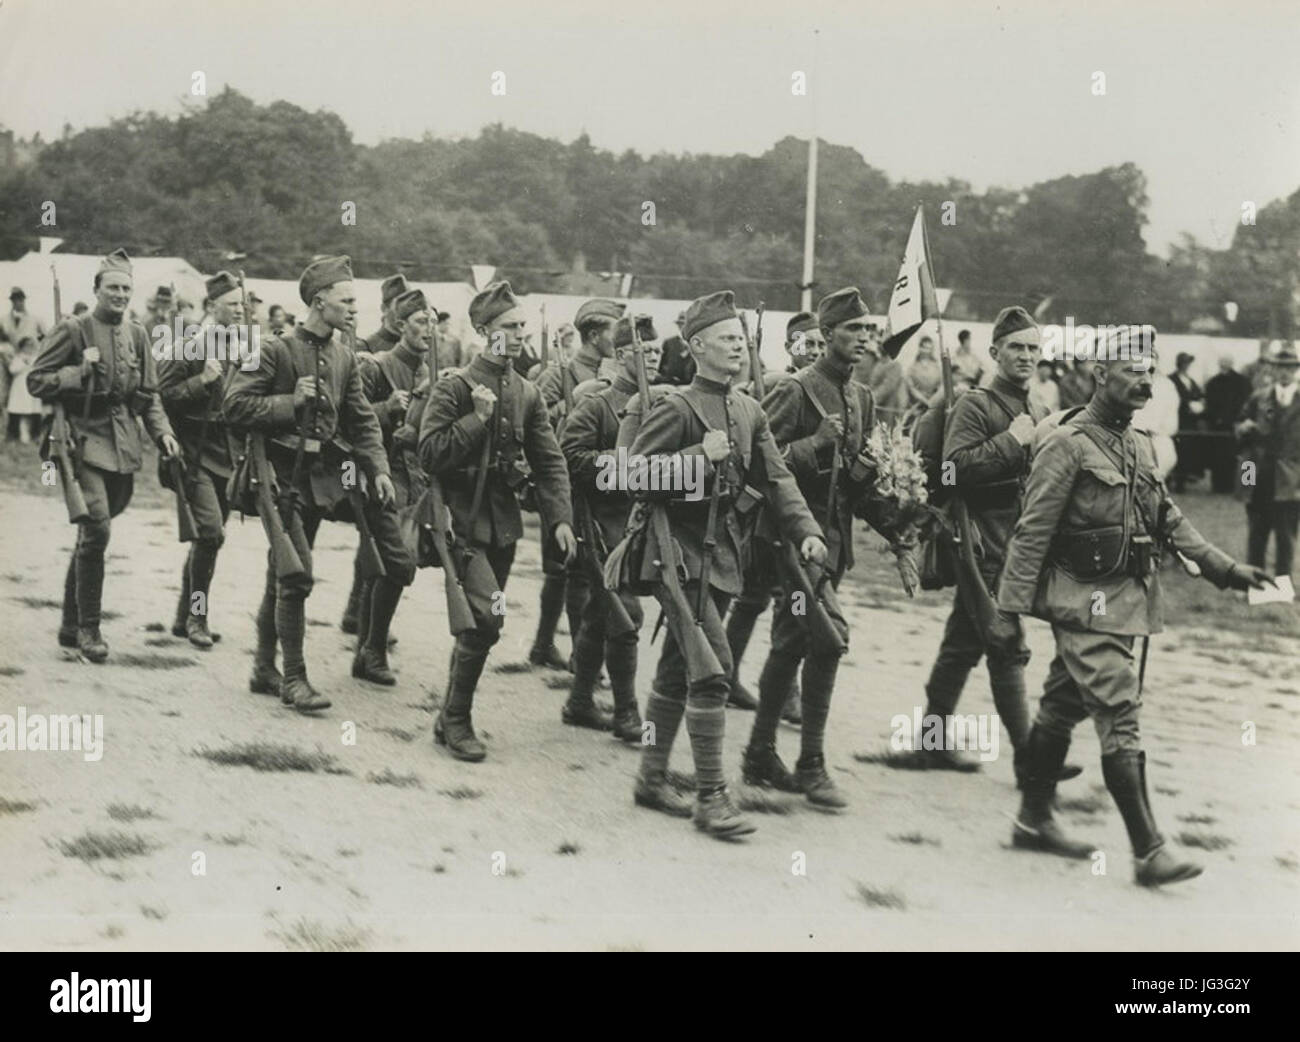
{"x":881,"y":897}
{"x":402,"y":781}
{"x":312,"y":936}
{"x":268,"y":756}
{"x":96,"y":846}
{"x":129,"y":812}
{"x":463,"y":792}
{"x":1204,"y":840}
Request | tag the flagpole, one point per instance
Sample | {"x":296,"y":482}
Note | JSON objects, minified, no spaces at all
{"x":945,"y":359}
{"x":810,"y":200}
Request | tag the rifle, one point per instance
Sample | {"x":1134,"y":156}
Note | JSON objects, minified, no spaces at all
{"x":58,"y":297}
{"x":592,"y":552}
{"x":369,"y":563}
{"x":546,"y":341}
{"x":284,"y":556}
{"x":970,"y":581}
{"x":825,"y":620}
{"x":460,"y":616}
{"x":755,"y":345}
{"x":61,"y":437}
{"x":701,"y":662}
{"x":187,"y":530}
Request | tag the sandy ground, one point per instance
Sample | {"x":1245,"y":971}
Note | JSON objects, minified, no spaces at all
{"x":540,"y":846}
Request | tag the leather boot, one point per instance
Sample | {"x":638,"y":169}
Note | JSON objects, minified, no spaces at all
{"x":90,"y":591}
{"x":297,"y":691}
{"x":92,"y":646}
{"x":762,"y":767}
{"x":813,"y":781}
{"x":740,"y":697}
{"x":655,"y":792}
{"x":1035,"y":828}
{"x":943,"y":758}
{"x":371,"y":660}
{"x":453,"y":726}
{"x":196,"y":629}
{"x":202,"y":566}
{"x":265,"y":680}
{"x":620,"y":659}
{"x":68,"y":624}
{"x":351,"y":613}
{"x":1021,"y":757}
{"x":580,"y":709}
{"x":718,"y":816}
{"x":739,"y":629}
{"x":1153,"y":863}
{"x":544,"y":652}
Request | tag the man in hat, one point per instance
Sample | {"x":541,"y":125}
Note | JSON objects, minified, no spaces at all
{"x":1226,"y":394}
{"x":477,"y":428}
{"x":987,"y":447}
{"x":589,"y":441}
{"x":451,"y":352}
{"x":390,"y":379}
{"x":100,"y":368}
{"x":804,"y":343}
{"x":567,"y":590}
{"x":677,"y":366}
{"x":1096,"y":517}
{"x":721,"y":437}
{"x":385,"y":338}
{"x":192,"y":384}
{"x":15,"y":327}
{"x":306,"y":402}
{"x":1269,"y":432}
{"x":158,"y":309}
{"x":819,"y":412}
{"x":1191,"y":409}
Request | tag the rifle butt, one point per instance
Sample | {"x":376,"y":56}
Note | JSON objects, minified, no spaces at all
{"x":73,"y":498}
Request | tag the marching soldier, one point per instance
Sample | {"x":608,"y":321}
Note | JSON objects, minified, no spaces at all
{"x":567,"y":591}
{"x":389,"y":379}
{"x":804,"y":343}
{"x":590,"y":432}
{"x":192,"y":391}
{"x":475,"y":428}
{"x":726,"y":436}
{"x":819,"y":413}
{"x":1085,"y":556}
{"x":385,"y":338}
{"x":303,"y":401}
{"x":98,"y":367}
{"x":987,"y":443}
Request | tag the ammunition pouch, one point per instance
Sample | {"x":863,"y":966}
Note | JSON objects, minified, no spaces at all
{"x":1091,"y":553}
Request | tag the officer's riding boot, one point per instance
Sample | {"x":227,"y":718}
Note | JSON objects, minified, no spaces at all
{"x":183,"y":602}
{"x":1035,"y":828}
{"x":620,"y":660}
{"x":761,"y":764}
{"x":740,"y":627}
{"x":350,"y":622}
{"x":68,"y":624}
{"x":266,"y":679}
{"x":580,"y":710}
{"x":371,"y":660}
{"x":203,"y":564}
{"x":663,"y":716}
{"x":706,"y":716}
{"x":941,"y":758}
{"x":290,"y":626}
{"x":811,"y":778}
{"x":453,"y":727}
{"x":1153,"y":864}
{"x":90,"y":593}
{"x":544,"y":652}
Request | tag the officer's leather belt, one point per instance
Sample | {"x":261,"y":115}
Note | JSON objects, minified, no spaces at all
{"x":311,"y":447}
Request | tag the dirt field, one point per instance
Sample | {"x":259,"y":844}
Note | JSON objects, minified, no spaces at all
{"x":388,"y":843}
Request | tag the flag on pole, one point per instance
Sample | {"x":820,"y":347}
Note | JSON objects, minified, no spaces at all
{"x":913,"y":300}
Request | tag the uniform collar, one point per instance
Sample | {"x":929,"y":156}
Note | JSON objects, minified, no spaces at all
{"x":483,"y":369}
{"x":312,"y":339}
{"x":829,"y":368}
{"x":589,"y":357}
{"x":406,"y":356}
{"x":107,"y":319}
{"x":1105,"y":417}
{"x":1009,"y":387}
{"x":702,"y":383}
{"x":624,"y":384}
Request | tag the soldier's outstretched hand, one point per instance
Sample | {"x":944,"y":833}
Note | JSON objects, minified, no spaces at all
{"x":813,"y":549}
{"x":1248,"y":577}
{"x":566,"y":541}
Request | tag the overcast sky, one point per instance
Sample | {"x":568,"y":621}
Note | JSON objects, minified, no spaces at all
{"x":1204,"y":97}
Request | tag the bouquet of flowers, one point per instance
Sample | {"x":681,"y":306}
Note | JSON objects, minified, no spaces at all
{"x":899,"y":477}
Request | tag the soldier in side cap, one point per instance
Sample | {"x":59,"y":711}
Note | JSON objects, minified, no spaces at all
{"x":99,"y":366}
{"x":589,"y":433}
{"x":192,"y":384}
{"x":677,"y":366}
{"x":385,"y":338}
{"x":987,"y":443}
{"x":724,"y":437}
{"x":567,"y":590}
{"x":488,"y":413}
{"x":1096,"y":518}
{"x":816,"y":413}
{"x":389,"y":379}
{"x":306,"y":401}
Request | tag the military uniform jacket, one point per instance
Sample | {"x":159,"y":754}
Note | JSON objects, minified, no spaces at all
{"x":397,"y":370}
{"x":382,"y":339}
{"x":795,"y":408}
{"x":125,"y":386}
{"x":1274,"y":448}
{"x":550,"y":381}
{"x":451,"y":447}
{"x":1074,"y":485}
{"x":187,"y":400}
{"x":675,"y":426}
{"x":989,"y":463}
{"x":344,"y":423}
{"x":589,"y":432}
